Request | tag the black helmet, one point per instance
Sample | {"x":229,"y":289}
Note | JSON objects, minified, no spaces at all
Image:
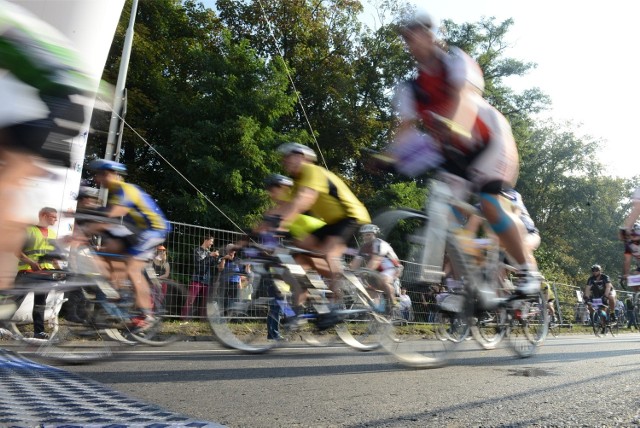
{"x":277,"y":180}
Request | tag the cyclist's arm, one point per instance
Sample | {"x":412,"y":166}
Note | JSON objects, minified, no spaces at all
{"x":167,"y":271}
{"x":374,"y":262}
{"x":302,"y":201}
{"x":118,"y":211}
{"x":608,"y":287}
{"x":587,"y":291}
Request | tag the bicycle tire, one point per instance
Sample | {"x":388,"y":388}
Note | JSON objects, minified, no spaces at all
{"x":419,"y":349}
{"x":489,"y":328}
{"x":528,"y":325}
{"x":363,"y":326}
{"x":452,"y":326}
{"x":155,"y":334}
{"x":236,"y":325}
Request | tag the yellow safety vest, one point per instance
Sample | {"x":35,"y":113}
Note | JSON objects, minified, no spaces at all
{"x":37,"y":246}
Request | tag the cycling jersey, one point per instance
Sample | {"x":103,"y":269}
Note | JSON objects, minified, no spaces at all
{"x":144,"y":213}
{"x":335,"y":201}
{"x":483,"y":150}
{"x":598,"y":285}
{"x":516,"y":199}
{"x":381,"y":248}
{"x":43,"y":72}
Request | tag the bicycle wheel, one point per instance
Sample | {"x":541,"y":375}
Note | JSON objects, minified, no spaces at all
{"x":154,"y":334}
{"x":597,"y":324}
{"x":452,"y":326}
{"x":418,"y":346}
{"x":528,"y":325}
{"x":488,"y":328}
{"x":363,"y":325}
{"x":241,"y":324}
{"x":614,"y":328}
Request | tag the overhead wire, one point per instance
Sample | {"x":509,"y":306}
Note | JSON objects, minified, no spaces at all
{"x":299,"y":97}
{"x":293,"y":85}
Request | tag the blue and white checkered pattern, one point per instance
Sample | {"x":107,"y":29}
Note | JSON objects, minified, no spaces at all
{"x":33,"y":394}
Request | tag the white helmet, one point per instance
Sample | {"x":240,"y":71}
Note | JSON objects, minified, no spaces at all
{"x":370,"y":228}
{"x":288,"y":148}
{"x":635,"y":229}
{"x":419,"y":20}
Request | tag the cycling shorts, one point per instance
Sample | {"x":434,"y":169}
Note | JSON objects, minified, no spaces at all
{"x":345,"y":229}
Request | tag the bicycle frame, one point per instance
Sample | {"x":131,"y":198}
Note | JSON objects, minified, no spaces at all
{"x":440,"y":236}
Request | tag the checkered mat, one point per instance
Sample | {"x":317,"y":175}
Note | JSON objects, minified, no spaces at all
{"x":33,"y":394}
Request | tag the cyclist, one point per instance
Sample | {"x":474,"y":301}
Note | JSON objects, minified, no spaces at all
{"x":279,"y":189}
{"x":468,"y":139}
{"x":631,"y":252}
{"x":145,"y":227}
{"x":321,"y":194}
{"x":39,"y":75}
{"x":599,"y":287}
{"x":378,"y":255}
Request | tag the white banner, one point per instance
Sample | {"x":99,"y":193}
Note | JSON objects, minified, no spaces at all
{"x":90,"y":26}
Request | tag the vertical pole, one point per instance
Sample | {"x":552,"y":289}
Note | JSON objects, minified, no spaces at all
{"x":120,"y":84}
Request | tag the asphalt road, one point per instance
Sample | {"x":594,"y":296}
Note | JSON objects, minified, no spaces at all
{"x":572,"y":381}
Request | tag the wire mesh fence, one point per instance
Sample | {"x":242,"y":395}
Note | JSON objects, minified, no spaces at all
{"x":196,"y":263}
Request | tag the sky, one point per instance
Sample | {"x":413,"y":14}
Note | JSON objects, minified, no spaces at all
{"x":587,"y":64}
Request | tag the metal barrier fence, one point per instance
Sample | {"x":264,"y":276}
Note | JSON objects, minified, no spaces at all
{"x":194,"y":268}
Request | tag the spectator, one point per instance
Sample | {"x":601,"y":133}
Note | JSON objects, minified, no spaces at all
{"x":235,"y":279}
{"x":38,"y":244}
{"x":204,"y":259}
{"x":632,"y":321}
{"x":161,"y":267}
{"x":405,"y":305}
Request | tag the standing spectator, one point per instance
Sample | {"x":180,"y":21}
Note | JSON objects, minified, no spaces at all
{"x":405,"y":305}
{"x":234,"y":277}
{"x":161,"y":267}
{"x":631,"y":313}
{"x":38,"y":244}
{"x":204,"y":259}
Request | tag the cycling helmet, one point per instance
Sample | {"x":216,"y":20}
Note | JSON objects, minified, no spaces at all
{"x":635,"y":229}
{"x":277,"y":180}
{"x":107,"y":165}
{"x":370,"y":228}
{"x":595,"y":267}
{"x":289,"y":148}
{"x":419,"y":20}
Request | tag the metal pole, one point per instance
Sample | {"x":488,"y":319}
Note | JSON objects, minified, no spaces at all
{"x":120,"y":84}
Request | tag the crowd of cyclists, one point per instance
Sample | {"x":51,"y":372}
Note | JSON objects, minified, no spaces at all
{"x":445,"y":126}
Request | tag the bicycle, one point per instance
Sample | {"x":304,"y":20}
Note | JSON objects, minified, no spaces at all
{"x":104,"y":324}
{"x":600,"y":320}
{"x":243,"y":324}
{"x":485,"y":301}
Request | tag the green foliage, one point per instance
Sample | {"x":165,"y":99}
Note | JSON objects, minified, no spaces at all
{"x":211,"y":94}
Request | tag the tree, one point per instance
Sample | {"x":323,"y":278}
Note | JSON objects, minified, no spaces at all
{"x":208,"y":106}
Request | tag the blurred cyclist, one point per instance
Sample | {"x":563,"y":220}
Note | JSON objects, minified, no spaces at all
{"x":42,"y":83}
{"x":446,"y":124}
{"x":321,"y":194}
{"x":378,"y":255}
{"x":145,"y":227}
